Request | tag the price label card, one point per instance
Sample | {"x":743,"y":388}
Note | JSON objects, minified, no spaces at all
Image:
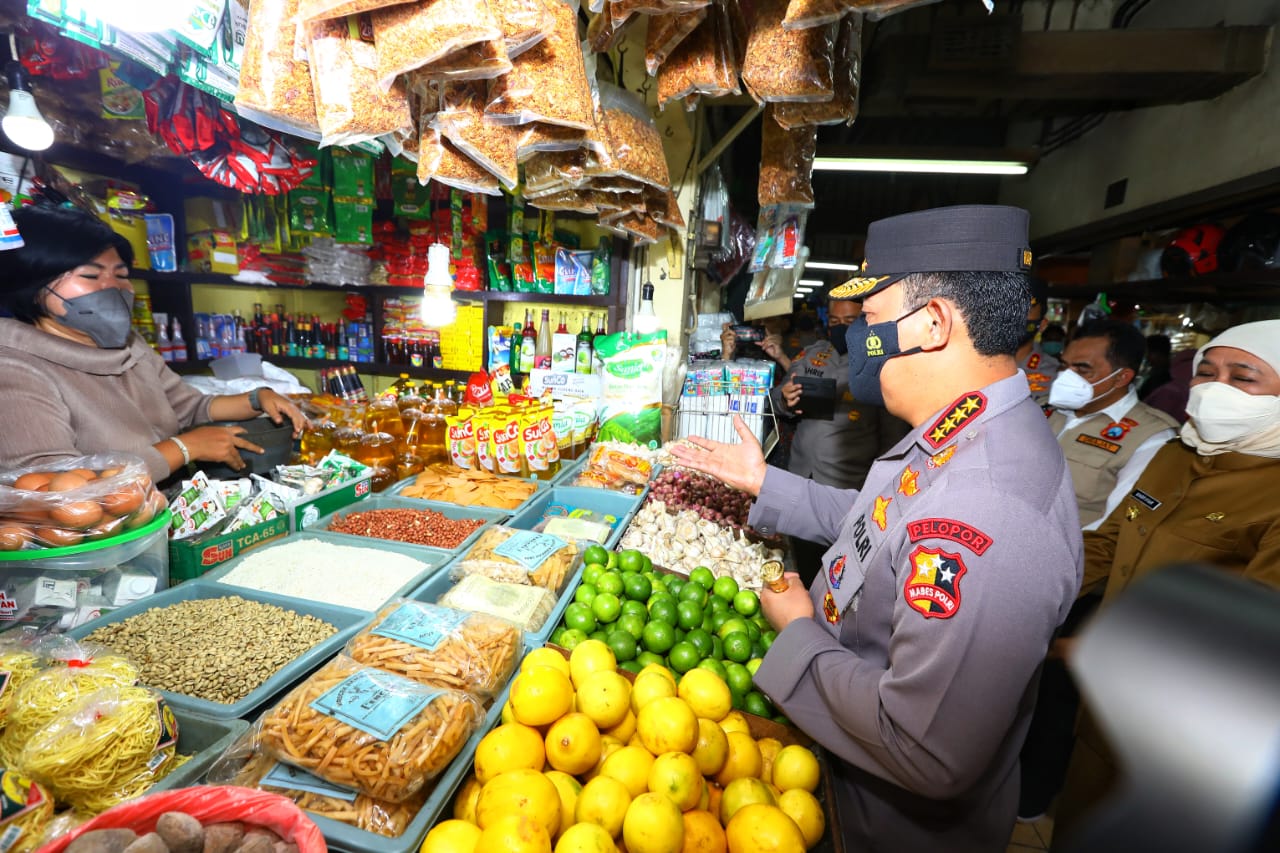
{"x":421,"y":625}
{"x":377,"y":703}
{"x":529,"y":549}
{"x":292,"y":779}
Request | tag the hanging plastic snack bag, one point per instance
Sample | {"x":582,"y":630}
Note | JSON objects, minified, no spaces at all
{"x":877,"y":9}
{"x":704,"y":63}
{"x":274,"y":77}
{"x":786,"y":163}
{"x":410,"y":36}
{"x":309,"y":212}
{"x":631,"y":386}
{"x":843,"y":108}
{"x":310,"y":10}
{"x":607,"y":28}
{"x":803,"y":14}
{"x":548,"y":82}
{"x":524,"y":23}
{"x":489,"y":144}
{"x":788,"y":65}
{"x":635,"y":143}
{"x":483,"y":60}
{"x":350,"y":108}
{"x":665,"y":34}
{"x":440,"y":161}
{"x":352,"y":174}
{"x":353,"y":221}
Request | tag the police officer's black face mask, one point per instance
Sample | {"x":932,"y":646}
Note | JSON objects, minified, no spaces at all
{"x":870,"y":346}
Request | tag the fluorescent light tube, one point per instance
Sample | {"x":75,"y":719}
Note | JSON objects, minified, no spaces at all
{"x":919,"y":166}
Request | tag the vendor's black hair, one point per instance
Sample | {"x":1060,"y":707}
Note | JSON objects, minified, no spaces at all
{"x":55,"y":240}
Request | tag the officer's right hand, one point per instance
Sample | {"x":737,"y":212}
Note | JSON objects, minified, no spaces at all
{"x":739,"y":465}
{"x":791,"y":395}
{"x":728,"y":342}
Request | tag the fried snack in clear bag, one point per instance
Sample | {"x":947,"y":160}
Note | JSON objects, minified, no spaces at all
{"x":548,"y":82}
{"x":704,"y":63}
{"x":634,"y":139}
{"x":483,"y":60}
{"x":554,"y":171}
{"x":550,"y":566}
{"x":310,"y":10}
{"x":439,"y":160}
{"x":524,"y":22}
{"x":565,"y":200}
{"x":607,"y":28}
{"x":788,"y":65}
{"x":843,"y":108}
{"x":536,"y":137}
{"x":786,"y":163}
{"x":350,"y":107}
{"x":110,"y":747}
{"x":244,"y":765}
{"x":487,"y":143}
{"x":440,"y":646}
{"x":407,"y":733}
{"x":664,"y":208}
{"x":665,"y":34}
{"x":527,"y":607}
{"x":411,"y":36}
{"x":803,"y":14}
{"x":273,"y":80}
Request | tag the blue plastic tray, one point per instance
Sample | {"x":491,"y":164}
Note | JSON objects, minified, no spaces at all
{"x":434,"y":558}
{"x":347,"y":621}
{"x":569,"y":470}
{"x":204,"y":739}
{"x":320,"y":526}
{"x":561,"y":500}
{"x":403,"y":484}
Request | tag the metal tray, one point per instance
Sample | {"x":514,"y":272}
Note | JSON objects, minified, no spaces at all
{"x":320,"y":526}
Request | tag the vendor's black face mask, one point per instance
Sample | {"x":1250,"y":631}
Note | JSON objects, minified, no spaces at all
{"x":104,"y":315}
{"x":870,"y":346}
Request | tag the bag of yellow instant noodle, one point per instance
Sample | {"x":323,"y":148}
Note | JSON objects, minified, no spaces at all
{"x":25,"y":811}
{"x":17,"y":665}
{"x":110,"y":747}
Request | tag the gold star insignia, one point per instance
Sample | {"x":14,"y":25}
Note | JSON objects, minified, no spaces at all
{"x":1132,"y":512}
{"x":938,"y":435}
{"x":880,"y":514}
{"x":970,"y":405}
{"x":953,"y":420}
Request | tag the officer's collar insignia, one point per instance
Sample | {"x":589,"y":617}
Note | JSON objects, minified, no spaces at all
{"x":907,"y":483}
{"x":955,"y":418}
{"x":880,"y":515}
{"x":829,"y":609}
{"x":942,"y":457}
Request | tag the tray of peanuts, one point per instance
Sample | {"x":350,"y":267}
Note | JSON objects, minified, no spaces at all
{"x":376,"y":732}
{"x":519,"y":556}
{"x":440,"y":647}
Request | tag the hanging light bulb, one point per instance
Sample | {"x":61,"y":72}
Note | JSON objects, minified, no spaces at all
{"x":437,"y":289}
{"x":147,"y":16}
{"x":646,"y":320}
{"x":22,"y":122}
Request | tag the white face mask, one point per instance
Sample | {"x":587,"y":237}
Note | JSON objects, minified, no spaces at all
{"x":1223,"y":412}
{"x":1071,"y":391}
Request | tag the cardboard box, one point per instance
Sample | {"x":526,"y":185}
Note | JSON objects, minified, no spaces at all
{"x":190,"y":559}
{"x":212,"y":251}
{"x":309,"y":510}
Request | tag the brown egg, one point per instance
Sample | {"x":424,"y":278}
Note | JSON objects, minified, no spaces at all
{"x":87,"y":473}
{"x":59,"y":537}
{"x":66,"y":481}
{"x":123,"y":501}
{"x":78,"y":515}
{"x":158,"y":503}
{"x":141,"y":518}
{"x":14,"y":536}
{"x":109,"y":527}
{"x":110,"y":472}
{"x":34,"y":480}
{"x":35,"y":511}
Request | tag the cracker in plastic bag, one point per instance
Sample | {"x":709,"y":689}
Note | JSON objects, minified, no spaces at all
{"x":527,"y":607}
{"x":803,"y":14}
{"x":439,"y":160}
{"x":665,"y":34}
{"x":483,"y":60}
{"x":566,"y":200}
{"x":487,"y":143}
{"x":350,"y":107}
{"x":843,"y":108}
{"x":273,"y":79}
{"x":417,"y":34}
{"x":788,"y":65}
{"x":548,"y":82}
{"x":634,"y":139}
{"x":664,"y":208}
{"x":440,"y":646}
{"x":536,"y":137}
{"x":704,"y":63}
{"x":524,"y":22}
{"x":519,"y":556}
{"x":554,"y":171}
{"x":786,"y":163}
{"x":607,"y":28}
{"x":360,"y":727}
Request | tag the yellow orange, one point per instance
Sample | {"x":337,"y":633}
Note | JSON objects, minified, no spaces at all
{"x":743,"y":759}
{"x":668,"y":725}
{"x":741,"y":793}
{"x":653,"y":825}
{"x":603,"y":801}
{"x":661,"y":670}
{"x":451,"y":836}
{"x":630,"y":766}
{"x":713,"y":747}
{"x":676,"y":775}
{"x":650,"y":686}
{"x":734,"y":721}
{"x":520,"y":792}
{"x":625,"y":729}
{"x":545,"y":657}
{"x":464,"y":802}
{"x":804,"y":808}
{"x":702,"y":833}
{"x":795,"y":766}
{"x":706,"y":693}
{"x":568,"y":788}
{"x":573,"y":744}
{"x":590,"y":656}
{"x":605,"y":697}
{"x":763,"y":829}
{"x":586,"y":838}
{"x":509,"y":747}
{"x":769,"y":747}
{"x":515,"y":833}
{"x":540,"y":695}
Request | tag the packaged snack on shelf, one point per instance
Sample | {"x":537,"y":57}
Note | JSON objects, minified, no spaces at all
{"x":469,"y":488}
{"x":619,"y":462}
{"x":350,"y":108}
{"x":548,"y":82}
{"x":524,"y":23}
{"x":519,"y":556}
{"x":788,"y":65}
{"x":786,"y":164}
{"x":527,"y":607}
{"x":363,"y":728}
{"x":843,"y":107}
{"x":412,"y":35}
{"x":440,"y":646}
{"x":28,"y":812}
{"x":273,"y":79}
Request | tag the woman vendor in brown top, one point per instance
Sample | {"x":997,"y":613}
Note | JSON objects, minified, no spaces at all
{"x":77,"y":380}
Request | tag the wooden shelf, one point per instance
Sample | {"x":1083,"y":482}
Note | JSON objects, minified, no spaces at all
{"x":511,"y":296}
{"x":1249,"y":287}
{"x":369,"y":368}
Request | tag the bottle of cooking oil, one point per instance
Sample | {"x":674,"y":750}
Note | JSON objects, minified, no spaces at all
{"x":378,"y":451}
{"x":410,"y":398}
{"x":346,"y":438}
{"x":317,"y":440}
{"x":411,"y":456}
{"x":383,"y":415}
{"x":435,"y":441}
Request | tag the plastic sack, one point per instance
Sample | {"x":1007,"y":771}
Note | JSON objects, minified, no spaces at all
{"x":536,"y":137}
{"x":524,"y":22}
{"x":640,"y":227}
{"x":527,"y":607}
{"x":519,"y":556}
{"x":663,"y":208}
{"x":705,"y":63}
{"x":877,"y":9}
{"x":274,"y":80}
{"x":553,"y":172}
{"x":564,"y":200}
{"x":631,"y":386}
{"x":350,"y":108}
{"x":416,"y":34}
{"x":665,"y":34}
{"x":207,"y":804}
{"x":548,"y":82}
{"x":843,"y":107}
{"x":378,"y":733}
{"x":788,"y":65}
{"x":310,"y":10}
{"x":803,"y":14}
{"x":487,"y":143}
{"x":439,"y":646}
{"x":635,"y":143}
{"x":111,"y":746}
{"x":244,"y":765}
{"x":617,"y":464}
{"x":607,"y":28}
{"x":483,"y":60}
{"x":75,"y":500}
{"x":786,"y":163}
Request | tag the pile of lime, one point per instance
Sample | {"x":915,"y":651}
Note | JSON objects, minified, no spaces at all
{"x":651,"y":617}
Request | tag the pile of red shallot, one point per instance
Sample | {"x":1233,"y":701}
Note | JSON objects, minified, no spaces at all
{"x":680,"y":488}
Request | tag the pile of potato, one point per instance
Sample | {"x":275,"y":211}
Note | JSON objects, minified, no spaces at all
{"x":179,"y":832}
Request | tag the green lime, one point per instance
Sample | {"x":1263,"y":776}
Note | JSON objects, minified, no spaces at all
{"x":737,"y":700}
{"x":757,"y":650}
{"x":578,"y":615}
{"x":635,"y":608}
{"x":753,"y":665}
{"x":708,"y":618}
{"x":585,"y":593}
{"x":702,"y":577}
{"x":701,"y":641}
{"x":612,"y":562}
{"x":693,"y":592}
{"x":755,"y":703}
{"x":571,"y":638}
{"x":720,"y":605}
{"x":663,"y":610}
{"x":717,"y":647}
{"x":591,"y":573}
{"x":761,"y":622}
{"x":689,"y":614}
{"x":557,"y":635}
{"x":646,"y":658}
{"x":718,"y":620}
{"x":681,"y":633}
{"x":738,"y":679}
{"x":623,"y":644}
{"x":746,"y":603}
{"x":606,"y":607}
{"x":674,"y":584}
{"x":595,"y":554}
{"x":630,"y":623}
{"x":753,"y":631}
{"x":598,"y":634}
{"x":737,"y":647}
{"x":713,"y":665}
{"x":732,"y":625}
{"x":637,"y":587}
{"x":767,"y":638}
{"x":648,"y":564}
{"x":631,"y":560}
{"x":632,"y":666}
{"x":781,"y":719}
{"x":610,"y":582}
{"x":658,"y":637}
{"x":725,"y":588}
{"x":683,"y":657}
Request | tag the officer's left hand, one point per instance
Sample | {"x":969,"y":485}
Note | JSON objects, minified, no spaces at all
{"x":783,"y":608}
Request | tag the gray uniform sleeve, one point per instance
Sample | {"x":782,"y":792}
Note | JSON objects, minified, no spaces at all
{"x":799,"y":507}
{"x":932,"y":720}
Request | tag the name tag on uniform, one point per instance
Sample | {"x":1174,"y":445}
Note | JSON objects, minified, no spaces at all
{"x":1100,"y":443}
{"x":1145,"y":499}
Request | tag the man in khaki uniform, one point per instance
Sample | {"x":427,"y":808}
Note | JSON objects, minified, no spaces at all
{"x":1107,"y":436}
{"x":1212,"y":498}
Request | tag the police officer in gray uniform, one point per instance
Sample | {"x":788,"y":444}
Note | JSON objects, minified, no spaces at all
{"x":914,"y":656}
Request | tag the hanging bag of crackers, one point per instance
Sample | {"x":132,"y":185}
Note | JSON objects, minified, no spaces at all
{"x":519,"y":556}
{"x":784,"y":65}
